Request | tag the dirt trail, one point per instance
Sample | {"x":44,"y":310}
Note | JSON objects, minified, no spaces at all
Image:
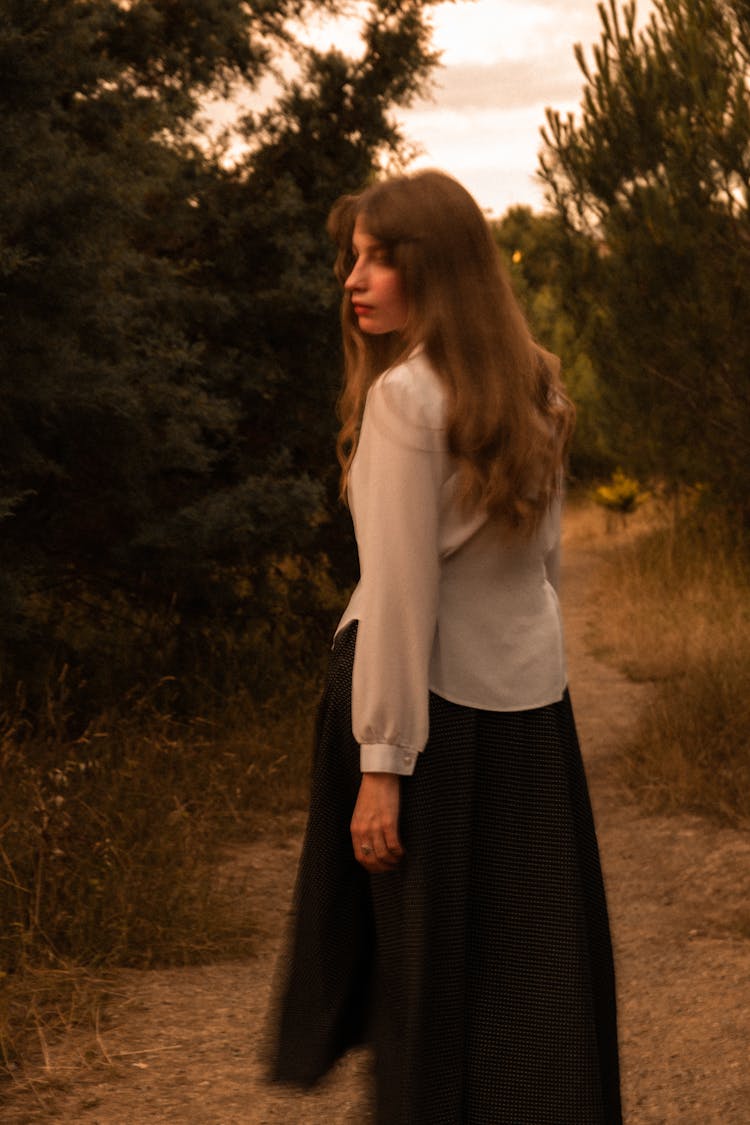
{"x":180,"y":1045}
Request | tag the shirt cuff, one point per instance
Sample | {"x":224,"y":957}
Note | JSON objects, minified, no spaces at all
{"x":379,"y":757}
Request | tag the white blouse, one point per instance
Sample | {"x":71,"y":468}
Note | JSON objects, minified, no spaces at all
{"x":446,"y":602}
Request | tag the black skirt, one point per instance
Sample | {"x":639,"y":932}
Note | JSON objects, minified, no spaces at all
{"x":480,"y":969}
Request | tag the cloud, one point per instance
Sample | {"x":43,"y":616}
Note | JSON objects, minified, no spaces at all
{"x":507,"y":83}
{"x":485,"y":30}
{"x":492,"y":151}
{"x":498,"y":188}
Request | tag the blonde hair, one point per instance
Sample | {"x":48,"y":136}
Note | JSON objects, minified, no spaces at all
{"x":508,"y":419}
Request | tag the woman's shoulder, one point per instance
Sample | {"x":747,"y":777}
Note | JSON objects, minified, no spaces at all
{"x":411,"y":393}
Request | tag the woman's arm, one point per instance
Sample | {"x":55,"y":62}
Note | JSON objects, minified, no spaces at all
{"x":395,"y":491}
{"x":395,"y":485}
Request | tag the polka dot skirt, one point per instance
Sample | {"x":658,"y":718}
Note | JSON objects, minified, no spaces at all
{"x":480,"y":969}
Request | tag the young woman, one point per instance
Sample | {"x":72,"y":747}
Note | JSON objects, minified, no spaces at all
{"x":450,"y":907}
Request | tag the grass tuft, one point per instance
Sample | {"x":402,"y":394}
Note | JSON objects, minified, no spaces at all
{"x":110,"y":846}
{"x":682,"y":620}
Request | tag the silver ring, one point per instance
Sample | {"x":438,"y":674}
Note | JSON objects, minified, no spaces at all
{"x":366,"y":849}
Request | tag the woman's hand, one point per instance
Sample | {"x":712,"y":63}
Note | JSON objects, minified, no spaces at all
{"x":375,"y":822}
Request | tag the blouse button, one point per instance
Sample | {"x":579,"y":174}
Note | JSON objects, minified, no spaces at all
{"x":408,"y":759}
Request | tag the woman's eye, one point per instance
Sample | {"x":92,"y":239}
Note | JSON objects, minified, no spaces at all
{"x":376,"y":255}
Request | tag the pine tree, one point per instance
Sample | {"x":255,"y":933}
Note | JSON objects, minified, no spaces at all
{"x":168,"y":354}
{"x":657,"y":171}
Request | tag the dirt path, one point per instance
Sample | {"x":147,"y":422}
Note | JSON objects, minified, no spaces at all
{"x":180,"y":1046}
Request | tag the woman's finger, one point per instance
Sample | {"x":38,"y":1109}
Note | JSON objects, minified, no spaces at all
{"x":383,"y":852}
{"x":393,"y":841}
{"x":375,"y":856}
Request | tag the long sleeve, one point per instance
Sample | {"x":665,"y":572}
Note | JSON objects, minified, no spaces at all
{"x":396,"y":482}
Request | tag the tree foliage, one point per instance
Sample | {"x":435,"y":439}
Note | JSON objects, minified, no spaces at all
{"x":538,"y":251}
{"x":657,"y":171}
{"x":169,"y":357}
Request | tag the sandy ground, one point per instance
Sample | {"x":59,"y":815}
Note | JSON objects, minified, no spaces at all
{"x":181,"y":1045}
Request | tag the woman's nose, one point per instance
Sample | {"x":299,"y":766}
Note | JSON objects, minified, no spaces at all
{"x":354,"y":280}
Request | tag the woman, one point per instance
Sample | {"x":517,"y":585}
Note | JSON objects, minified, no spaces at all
{"x":450,"y":908}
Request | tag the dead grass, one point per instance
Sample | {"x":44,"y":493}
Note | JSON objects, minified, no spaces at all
{"x":110,"y":846}
{"x":673,"y":607}
{"x":43,"y":1003}
{"x":588,"y":525}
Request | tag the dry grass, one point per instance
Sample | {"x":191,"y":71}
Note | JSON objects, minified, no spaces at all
{"x":121,"y":809}
{"x":674,"y":608}
{"x":43,"y":1003}
{"x":588,"y":525}
{"x":110,"y":846}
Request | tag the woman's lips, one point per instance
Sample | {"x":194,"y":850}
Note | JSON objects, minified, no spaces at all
{"x":361,"y":310}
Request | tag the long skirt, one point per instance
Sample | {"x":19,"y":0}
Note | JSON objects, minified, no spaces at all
{"x":480,"y":970}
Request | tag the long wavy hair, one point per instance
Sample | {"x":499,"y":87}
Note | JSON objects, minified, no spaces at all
{"x":508,"y":419}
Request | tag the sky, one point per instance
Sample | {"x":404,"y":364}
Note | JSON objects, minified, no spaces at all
{"x":503,"y":62}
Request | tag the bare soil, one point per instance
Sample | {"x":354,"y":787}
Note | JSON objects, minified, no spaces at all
{"x":182,"y":1045}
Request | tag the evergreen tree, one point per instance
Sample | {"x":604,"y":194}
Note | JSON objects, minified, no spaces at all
{"x":168,"y":352}
{"x":657,"y":172}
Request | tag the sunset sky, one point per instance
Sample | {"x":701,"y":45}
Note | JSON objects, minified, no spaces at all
{"x":503,"y":62}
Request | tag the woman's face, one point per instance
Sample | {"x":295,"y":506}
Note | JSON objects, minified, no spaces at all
{"x":374,"y":286}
